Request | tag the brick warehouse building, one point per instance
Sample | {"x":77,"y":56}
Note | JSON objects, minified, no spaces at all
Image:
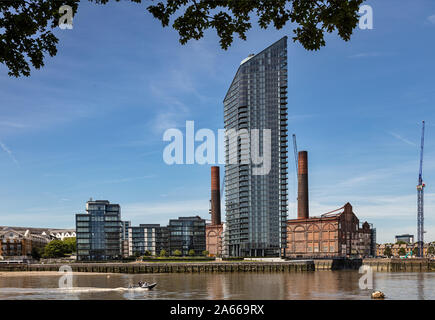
{"x":19,"y":242}
{"x":214,"y":240}
{"x":330,"y":235}
{"x":334,"y":234}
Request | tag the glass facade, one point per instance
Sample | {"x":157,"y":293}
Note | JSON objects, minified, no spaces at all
{"x":147,"y":237}
{"x":256,"y":205}
{"x":124,"y":241}
{"x":125,"y":229}
{"x":187,"y":233}
{"x":99,"y":232}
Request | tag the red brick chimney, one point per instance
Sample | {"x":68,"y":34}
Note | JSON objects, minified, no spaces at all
{"x":215,"y":197}
{"x":303,"y":211}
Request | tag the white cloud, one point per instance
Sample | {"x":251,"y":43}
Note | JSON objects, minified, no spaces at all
{"x":431,"y":19}
{"x":12,"y":124}
{"x":367,"y":178}
{"x":181,"y":80}
{"x":167,"y":120}
{"x":376,"y":177}
{"x":172,"y":116}
{"x":95,"y":184}
{"x":300,"y":117}
{"x":161,"y":212}
{"x":370,"y":55}
{"x":128,"y":179}
{"x":399,"y":137}
{"x":58,"y":217}
{"x":9,"y":152}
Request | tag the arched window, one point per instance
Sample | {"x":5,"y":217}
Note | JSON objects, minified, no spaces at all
{"x":299,"y":233}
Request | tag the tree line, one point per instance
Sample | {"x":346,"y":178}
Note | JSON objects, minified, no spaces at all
{"x":176,"y":253}
{"x":55,"y":249}
{"x":389,"y":253}
{"x":27,"y":26}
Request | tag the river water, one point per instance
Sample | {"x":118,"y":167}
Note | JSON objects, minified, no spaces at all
{"x":276,"y":286}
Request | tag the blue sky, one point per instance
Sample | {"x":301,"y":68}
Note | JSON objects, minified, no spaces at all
{"x":90,"y":123}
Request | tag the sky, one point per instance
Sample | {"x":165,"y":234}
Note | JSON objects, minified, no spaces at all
{"x":90,"y":123}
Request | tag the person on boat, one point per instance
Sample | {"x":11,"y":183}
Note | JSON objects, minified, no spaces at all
{"x":140,"y":283}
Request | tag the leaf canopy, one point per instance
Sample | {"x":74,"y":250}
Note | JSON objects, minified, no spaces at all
{"x":26,"y":26}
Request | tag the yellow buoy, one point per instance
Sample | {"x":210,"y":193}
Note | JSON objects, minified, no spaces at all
{"x":378,"y":295}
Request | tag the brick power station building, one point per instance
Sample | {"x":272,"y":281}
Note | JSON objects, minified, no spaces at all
{"x":334,"y":234}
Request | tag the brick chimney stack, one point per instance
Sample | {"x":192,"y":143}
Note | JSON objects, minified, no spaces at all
{"x":215,"y":197}
{"x":303,"y":210}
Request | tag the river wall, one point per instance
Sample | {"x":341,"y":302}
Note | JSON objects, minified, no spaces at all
{"x":337,"y":264}
{"x":300,"y":266}
{"x":402,"y":265}
{"x":387,"y":265}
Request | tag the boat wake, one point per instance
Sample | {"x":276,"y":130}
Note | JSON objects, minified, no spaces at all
{"x":65,"y":290}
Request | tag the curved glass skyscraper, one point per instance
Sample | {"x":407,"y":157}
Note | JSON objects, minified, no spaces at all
{"x":256,"y":202}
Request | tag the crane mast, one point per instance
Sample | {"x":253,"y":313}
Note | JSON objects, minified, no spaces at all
{"x":420,"y":200}
{"x":295,"y":149}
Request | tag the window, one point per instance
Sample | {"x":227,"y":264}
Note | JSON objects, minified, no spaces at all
{"x":82,"y":224}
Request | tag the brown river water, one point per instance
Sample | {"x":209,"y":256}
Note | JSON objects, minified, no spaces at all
{"x":336,"y":285}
